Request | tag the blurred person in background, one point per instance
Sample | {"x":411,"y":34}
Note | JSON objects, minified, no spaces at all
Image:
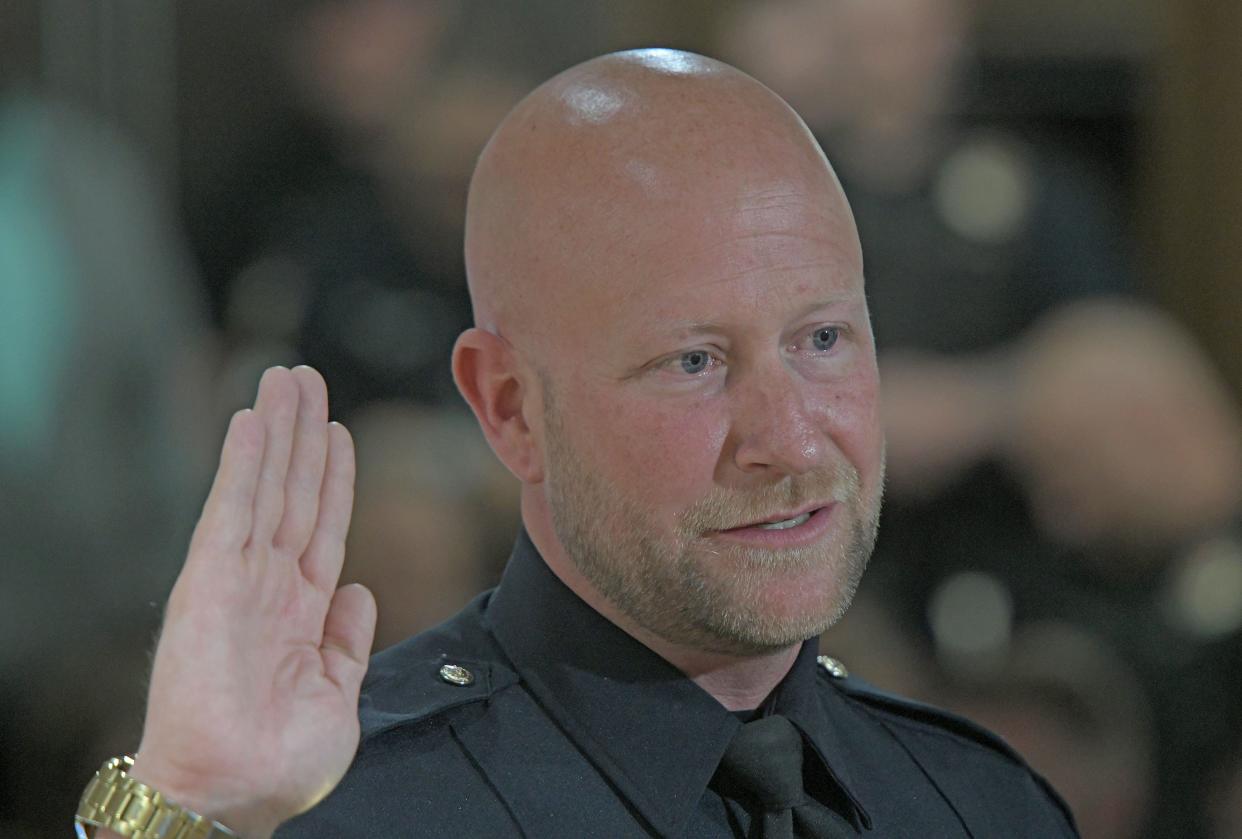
{"x":1130,"y":448}
{"x":342,"y":259}
{"x":1085,"y":455}
{"x":355,"y":267}
{"x":344,"y":254}
{"x":104,"y":360}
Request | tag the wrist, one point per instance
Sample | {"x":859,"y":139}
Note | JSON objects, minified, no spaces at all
{"x":213,"y":798}
{"x":115,"y":803}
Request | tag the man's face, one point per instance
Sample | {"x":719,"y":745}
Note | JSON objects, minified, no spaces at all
{"x":714,"y":456}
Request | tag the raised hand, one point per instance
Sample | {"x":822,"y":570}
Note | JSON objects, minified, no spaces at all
{"x":252,"y":715}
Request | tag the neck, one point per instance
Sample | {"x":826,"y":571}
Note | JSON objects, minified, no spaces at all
{"x":738,"y":682}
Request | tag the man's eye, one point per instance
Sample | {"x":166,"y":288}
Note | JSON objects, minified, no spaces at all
{"x":695,"y":361}
{"x":825,"y":337}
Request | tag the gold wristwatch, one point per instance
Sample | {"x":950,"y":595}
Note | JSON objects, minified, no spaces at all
{"x":115,"y":801}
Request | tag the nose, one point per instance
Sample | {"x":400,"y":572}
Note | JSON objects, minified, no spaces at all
{"x":776,"y":428}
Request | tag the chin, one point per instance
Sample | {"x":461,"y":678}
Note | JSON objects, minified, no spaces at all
{"x":762,"y":616}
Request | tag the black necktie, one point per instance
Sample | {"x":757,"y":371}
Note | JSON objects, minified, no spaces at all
{"x":762,"y":770}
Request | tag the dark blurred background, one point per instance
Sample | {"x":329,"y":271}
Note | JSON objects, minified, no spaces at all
{"x":1049,"y":195}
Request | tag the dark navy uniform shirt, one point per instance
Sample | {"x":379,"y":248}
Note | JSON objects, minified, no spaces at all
{"x":568,"y":727}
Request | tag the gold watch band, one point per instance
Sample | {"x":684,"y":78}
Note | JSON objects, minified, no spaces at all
{"x":115,"y":801}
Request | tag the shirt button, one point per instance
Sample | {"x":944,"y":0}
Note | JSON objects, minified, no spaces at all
{"x":835,"y":668}
{"x":455,"y":674}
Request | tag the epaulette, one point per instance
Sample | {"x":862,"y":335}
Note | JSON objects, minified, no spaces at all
{"x":455,"y":664}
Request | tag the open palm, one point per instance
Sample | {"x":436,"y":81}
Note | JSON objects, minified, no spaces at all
{"x":252,"y":715}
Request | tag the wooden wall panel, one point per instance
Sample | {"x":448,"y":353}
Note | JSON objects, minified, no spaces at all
{"x":1193,"y":211}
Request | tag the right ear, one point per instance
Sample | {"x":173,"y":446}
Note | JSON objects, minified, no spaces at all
{"x":490,"y":379}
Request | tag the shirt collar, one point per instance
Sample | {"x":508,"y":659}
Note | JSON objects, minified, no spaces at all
{"x":654,"y":733}
{"x":800,"y":698}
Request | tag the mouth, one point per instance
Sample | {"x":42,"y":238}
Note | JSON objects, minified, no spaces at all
{"x":781,"y":521}
{"x":785,"y":524}
{"x":786,"y":529}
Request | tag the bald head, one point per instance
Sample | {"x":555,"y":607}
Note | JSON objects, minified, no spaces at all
{"x":605,"y":164}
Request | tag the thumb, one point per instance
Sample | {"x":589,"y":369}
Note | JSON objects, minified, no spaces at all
{"x":348,"y":631}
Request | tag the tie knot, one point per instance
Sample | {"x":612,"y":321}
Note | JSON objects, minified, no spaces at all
{"x":764,"y":762}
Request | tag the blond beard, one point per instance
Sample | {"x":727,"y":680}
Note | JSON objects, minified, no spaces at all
{"x":667,"y":589}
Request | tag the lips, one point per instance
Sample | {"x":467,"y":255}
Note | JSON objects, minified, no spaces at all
{"x":785,"y":530}
{"x":785,"y":524}
{"x":781,"y":521}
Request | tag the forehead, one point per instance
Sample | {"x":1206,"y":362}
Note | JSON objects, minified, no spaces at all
{"x":737,"y":248}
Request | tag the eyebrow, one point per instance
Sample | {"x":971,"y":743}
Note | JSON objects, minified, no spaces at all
{"x":685,"y":329}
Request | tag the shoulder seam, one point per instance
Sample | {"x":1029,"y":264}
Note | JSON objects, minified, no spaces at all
{"x":983,"y":744}
{"x":991,"y":743}
{"x":877,"y":703}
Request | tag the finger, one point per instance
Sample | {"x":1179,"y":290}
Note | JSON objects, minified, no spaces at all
{"x":321,"y":562}
{"x":227,"y":514}
{"x":306,"y":462}
{"x":348,"y":633}
{"x":277,"y":404}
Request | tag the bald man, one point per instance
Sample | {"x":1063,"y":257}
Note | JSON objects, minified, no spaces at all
{"x":673,"y":354}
